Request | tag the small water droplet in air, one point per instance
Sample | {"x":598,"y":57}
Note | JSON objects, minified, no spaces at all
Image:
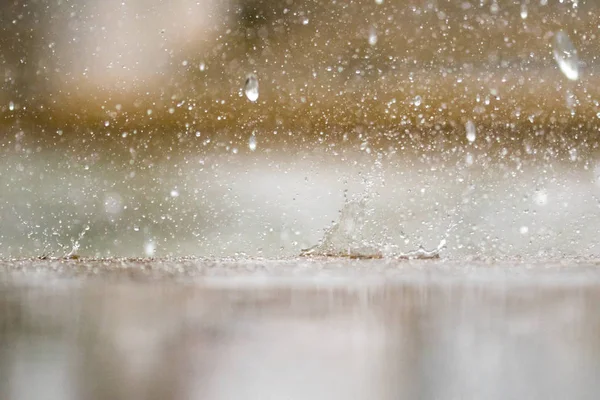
{"x":417,"y":101}
{"x":570,"y":99}
{"x":573,"y":154}
{"x":378,"y":1}
{"x":364,"y":146}
{"x":174,"y":193}
{"x":113,"y":203}
{"x":202,"y":66}
{"x":251,"y":87}
{"x":305,"y":21}
{"x":565,"y":55}
{"x":524,"y":12}
{"x":11,"y":106}
{"x":469,"y":159}
{"x":149,"y":248}
{"x":540,"y":198}
{"x":471,"y":131}
{"x":523,"y":230}
{"x":136,"y":228}
{"x":372,"y":36}
{"x":252,"y":142}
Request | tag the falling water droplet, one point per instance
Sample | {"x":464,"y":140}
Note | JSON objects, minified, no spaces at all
{"x":417,"y":101}
{"x":252,"y":142}
{"x":540,"y":198}
{"x":11,"y":106}
{"x":149,"y":248}
{"x":494,"y":8}
{"x":524,"y":11}
{"x":372,"y":36}
{"x":565,"y":55}
{"x":471,"y":131}
{"x":251,"y":87}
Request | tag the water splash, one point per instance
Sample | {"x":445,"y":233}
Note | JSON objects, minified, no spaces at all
{"x":75,"y":244}
{"x":349,"y":236}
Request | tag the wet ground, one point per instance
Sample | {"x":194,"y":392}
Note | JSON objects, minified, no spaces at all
{"x":299,"y":329}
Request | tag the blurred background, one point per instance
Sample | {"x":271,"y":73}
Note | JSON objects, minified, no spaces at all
{"x":246,"y":127}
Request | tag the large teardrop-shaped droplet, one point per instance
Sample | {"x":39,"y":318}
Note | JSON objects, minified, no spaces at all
{"x":251,"y":87}
{"x":565,"y":55}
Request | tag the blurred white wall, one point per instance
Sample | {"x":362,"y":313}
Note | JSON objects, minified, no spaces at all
{"x":121,"y":43}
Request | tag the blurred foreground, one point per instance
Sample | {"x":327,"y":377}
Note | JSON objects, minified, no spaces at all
{"x":298,"y":329}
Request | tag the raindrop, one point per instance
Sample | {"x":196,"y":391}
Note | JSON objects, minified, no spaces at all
{"x":570,"y":100}
{"x":202,"y":66}
{"x":573,"y":154}
{"x":565,"y":55}
{"x":417,"y":101}
{"x":378,"y":1}
{"x":11,"y":106}
{"x":251,"y":87}
{"x":174,"y":193}
{"x":113,"y":203}
{"x":149,"y":248}
{"x":540,"y":198}
{"x":524,"y":230}
{"x":524,"y":12}
{"x":252,"y":142}
{"x":494,"y":8}
{"x":372,"y":36}
{"x":469,"y":159}
{"x":471,"y":131}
